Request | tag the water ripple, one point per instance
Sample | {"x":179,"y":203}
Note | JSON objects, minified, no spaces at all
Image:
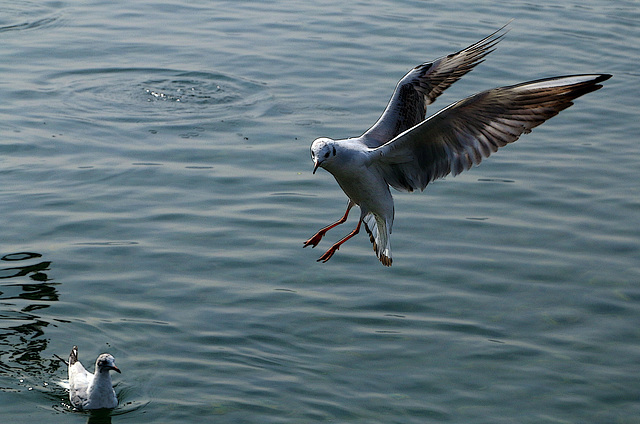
{"x":30,"y":25}
{"x":26,"y":16}
{"x":146,"y":93}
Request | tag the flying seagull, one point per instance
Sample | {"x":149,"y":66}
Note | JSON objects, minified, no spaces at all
{"x":406,"y":151}
{"x":92,"y":391}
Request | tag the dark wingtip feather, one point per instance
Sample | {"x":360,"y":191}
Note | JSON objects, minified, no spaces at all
{"x":61,"y":359}
{"x":602,"y":77}
{"x":73,"y":356}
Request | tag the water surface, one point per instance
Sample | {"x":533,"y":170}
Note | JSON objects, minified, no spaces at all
{"x":157,"y":188}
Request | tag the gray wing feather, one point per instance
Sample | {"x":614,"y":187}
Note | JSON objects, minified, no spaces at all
{"x":422,"y":85}
{"x":464,"y":133}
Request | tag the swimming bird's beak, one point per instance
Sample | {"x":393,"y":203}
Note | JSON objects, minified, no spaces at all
{"x":316,"y":164}
{"x":116,"y":369}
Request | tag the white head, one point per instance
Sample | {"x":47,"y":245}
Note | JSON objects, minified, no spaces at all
{"x":323,"y":150}
{"x":106,"y":363}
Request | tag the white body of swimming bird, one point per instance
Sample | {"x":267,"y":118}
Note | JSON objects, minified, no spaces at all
{"x":406,"y":151}
{"x":92,"y":391}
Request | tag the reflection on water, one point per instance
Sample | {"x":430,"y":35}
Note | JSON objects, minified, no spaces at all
{"x":101,"y":416}
{"x":25,"y":289}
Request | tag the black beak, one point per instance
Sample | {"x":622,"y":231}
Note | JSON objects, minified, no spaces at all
{"x":316,"y":164}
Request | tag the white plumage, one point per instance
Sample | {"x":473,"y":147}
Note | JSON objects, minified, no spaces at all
{"x":406,"y":151}
{"x":92,"y":391}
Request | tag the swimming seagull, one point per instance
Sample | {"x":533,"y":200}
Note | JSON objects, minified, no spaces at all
{"x":92,"y":391}
{"x":406,"y":151}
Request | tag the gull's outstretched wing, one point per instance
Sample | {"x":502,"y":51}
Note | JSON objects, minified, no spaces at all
{"x":464,"y":133}
{"x":420,"y":87}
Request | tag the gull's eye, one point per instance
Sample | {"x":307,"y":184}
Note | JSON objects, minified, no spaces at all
{"x":326,"y":155}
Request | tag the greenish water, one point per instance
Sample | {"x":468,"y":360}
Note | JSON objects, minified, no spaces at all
{"x":157,"y":188}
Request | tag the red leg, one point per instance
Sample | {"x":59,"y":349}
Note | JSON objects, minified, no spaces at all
{"x":329,"y":253}
{"x":313,"y":241}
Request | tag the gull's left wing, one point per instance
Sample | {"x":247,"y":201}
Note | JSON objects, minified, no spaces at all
{"x":464,"y":133}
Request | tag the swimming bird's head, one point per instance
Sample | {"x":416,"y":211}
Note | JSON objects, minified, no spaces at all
{"x":106,"y":363}
{"x":323,"y":150}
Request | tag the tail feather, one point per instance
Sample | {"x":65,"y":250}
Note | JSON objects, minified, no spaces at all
{"x":73,"y":356}
{"x":379,"y":236}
